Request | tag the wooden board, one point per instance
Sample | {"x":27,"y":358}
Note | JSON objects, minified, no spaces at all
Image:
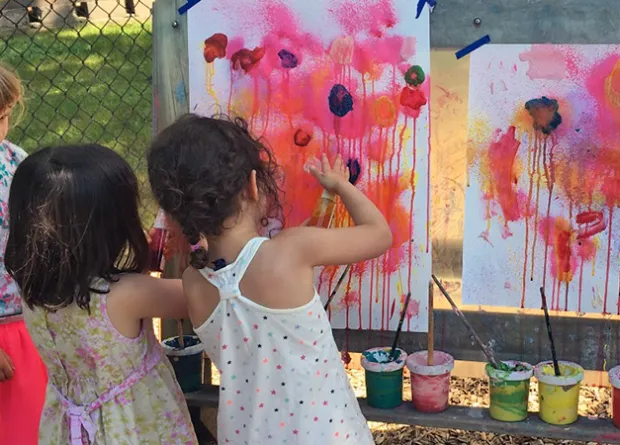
{"x":525,"y":21}
{"x":463,"y":418}
{"x":593,"y":343}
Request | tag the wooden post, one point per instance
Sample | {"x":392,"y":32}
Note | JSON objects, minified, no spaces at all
{"x":170,"y":89}
{"x":170,"y":101}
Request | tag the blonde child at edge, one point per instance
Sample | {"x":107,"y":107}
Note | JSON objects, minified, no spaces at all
{"x":251,"y":299}
{"x":22,"y":373}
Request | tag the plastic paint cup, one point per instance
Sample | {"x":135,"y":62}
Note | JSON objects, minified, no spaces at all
{"x":384,"y":381}
{"x":510,"y":391}
{"x":187,"y":362}
{"x":558,"y":395}
{"x":614,"y":380}
{"x":430,"y":385}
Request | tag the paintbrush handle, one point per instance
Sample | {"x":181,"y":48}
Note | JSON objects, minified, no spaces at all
{"x":430,"y":348}
{"x":469,"y":327}
{"x":400,"y":325}
{"x":556,"y":365}
{"x":338,"y":283}
{"x":180,"y":334}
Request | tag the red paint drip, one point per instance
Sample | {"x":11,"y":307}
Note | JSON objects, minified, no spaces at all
{"x":501,"y":155}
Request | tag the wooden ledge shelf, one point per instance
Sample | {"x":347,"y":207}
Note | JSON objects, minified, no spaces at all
{"x":463,"y":418}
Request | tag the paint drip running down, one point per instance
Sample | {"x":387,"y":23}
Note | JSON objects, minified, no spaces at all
{"x":363,"y":101}
{"x":551,"y":175}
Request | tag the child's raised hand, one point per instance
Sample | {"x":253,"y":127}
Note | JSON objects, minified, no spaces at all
{"x":330,"y":176}
{"x":6,"y":367}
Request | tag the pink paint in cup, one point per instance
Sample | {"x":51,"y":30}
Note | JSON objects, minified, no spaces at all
{"x":430,"y":385}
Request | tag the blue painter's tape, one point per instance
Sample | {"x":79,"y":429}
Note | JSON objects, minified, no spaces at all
{"x":190,"y":4}
{"x":421,"y":3}
{"x":473,"y":46}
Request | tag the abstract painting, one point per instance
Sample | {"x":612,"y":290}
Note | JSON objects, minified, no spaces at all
{"x":335,"y":76}
{"x":544,"y":178}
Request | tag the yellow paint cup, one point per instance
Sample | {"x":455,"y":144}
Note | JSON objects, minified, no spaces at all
{"x":558,"y":395}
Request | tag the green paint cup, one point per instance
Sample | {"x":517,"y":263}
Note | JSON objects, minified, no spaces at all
{"x":186,"y":362}
{"x":384,"y":381}
{"x":510,"y":391}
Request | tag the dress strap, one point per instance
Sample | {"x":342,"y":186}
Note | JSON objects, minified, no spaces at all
{"x":227,"y":279}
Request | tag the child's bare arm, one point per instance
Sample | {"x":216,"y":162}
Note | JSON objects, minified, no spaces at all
{"x":153,"y":297}
{"x":369,"y":238}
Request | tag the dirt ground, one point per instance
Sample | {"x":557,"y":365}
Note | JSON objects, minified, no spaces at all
{"x":470,"y":392}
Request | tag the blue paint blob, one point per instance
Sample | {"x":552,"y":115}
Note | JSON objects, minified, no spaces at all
{"x":354,"y":170}
{"x":179,"y":93}
{"x":188,"y":341}
{"x":288,"y":59}
{"x":544,"y":112}
{"x":340,"y":100}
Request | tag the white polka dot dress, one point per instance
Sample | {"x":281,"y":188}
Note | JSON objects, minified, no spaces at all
{"x":282,"y":380}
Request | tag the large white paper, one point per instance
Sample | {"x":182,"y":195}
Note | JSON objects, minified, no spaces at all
{"x":281,"y":62}
{"x":542,"y":196}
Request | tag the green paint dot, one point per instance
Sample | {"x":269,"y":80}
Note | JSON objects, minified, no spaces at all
{"x":270,"y":334}
{"x":233,"y":377}
{"x":286,"y":400}
{"x":415,"y":75}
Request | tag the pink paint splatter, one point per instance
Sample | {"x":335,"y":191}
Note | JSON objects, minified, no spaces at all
{"x":413,"y":310}
{"x":357,"y":16}
{"x":545,"y":62}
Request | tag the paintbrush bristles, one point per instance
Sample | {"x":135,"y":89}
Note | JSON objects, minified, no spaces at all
{"x":556,"y":365}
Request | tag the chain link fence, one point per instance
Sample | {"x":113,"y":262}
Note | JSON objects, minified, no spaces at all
{"x":86,"y":69}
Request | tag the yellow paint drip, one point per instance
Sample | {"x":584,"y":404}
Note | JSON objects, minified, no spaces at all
{"x":210,"y":76}
{"x":611,"y":82}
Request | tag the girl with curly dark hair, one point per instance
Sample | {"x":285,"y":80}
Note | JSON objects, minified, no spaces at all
{"x":251,"y":299}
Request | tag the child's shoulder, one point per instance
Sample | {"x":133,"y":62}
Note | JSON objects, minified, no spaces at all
{"x":131,"y":282}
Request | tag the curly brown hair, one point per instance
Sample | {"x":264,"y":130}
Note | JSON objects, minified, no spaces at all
{"x":198,"y":168}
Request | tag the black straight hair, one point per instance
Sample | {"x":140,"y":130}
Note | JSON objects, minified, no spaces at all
{"x":73,"y":218}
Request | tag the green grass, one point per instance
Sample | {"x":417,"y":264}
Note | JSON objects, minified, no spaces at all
{"x":86,"y":84}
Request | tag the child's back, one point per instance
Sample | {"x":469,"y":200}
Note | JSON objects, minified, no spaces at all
{"x":282,"y":377}
{"x":252,"y":300}
{"x":125,"y":387}
{"x":76,"y":248}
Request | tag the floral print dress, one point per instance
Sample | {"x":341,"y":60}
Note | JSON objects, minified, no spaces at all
{"x":105,"y":388}
{"x":10,"y":157}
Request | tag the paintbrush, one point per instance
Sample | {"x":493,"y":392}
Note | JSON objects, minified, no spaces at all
{"x":485,"y":350}
{"x":180,"y":334}
{"x":556,"y":366}
{"x":430,"y":349}
{"x":338,"y":283}
{"x":400,"y":326}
